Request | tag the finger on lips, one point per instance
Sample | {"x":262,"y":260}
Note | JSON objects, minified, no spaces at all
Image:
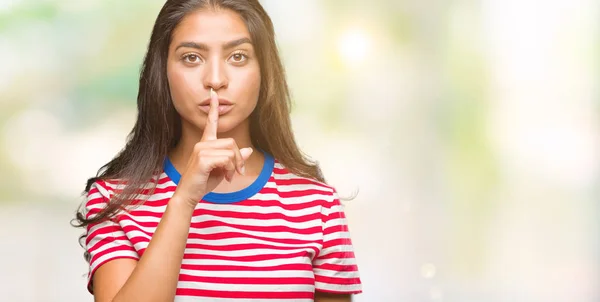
{"x":210,"y":130}
{"x":209,"y":139}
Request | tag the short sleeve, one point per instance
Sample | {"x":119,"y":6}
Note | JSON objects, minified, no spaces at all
{"x":335,"y":267}
{"x":105,"y":240}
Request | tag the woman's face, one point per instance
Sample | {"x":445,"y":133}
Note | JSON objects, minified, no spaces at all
{"x":212,"y":49}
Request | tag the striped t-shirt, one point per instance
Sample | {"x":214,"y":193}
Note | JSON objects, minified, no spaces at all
{"x":279,"y":239}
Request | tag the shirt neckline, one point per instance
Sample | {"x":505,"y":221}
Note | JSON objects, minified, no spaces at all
{"x":231,"y":197}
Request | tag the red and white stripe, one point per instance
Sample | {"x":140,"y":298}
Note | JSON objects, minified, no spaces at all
{"x":281,"y":244}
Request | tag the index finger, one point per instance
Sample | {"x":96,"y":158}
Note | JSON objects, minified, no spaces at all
{"x":210,"y":130}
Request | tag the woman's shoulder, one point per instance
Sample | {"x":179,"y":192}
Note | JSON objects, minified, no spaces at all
{"x":111,"y":186}
{"x":104,"y":187}
{"x":107,"y":184}
{"x":289,"y":180}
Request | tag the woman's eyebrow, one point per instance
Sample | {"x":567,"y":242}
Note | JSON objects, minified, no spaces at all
{"x":204,"y":47}
{"x":237,"y":42}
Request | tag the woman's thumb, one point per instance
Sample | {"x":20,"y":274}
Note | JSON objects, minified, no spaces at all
{"x":246,"y":152}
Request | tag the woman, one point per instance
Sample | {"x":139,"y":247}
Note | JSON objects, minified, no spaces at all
{"x":211,"y":199}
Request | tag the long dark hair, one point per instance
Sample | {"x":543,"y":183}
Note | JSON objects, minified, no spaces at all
{"x":158,"y":126}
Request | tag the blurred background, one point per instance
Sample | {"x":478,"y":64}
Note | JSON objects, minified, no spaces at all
{"x":469,"y":128}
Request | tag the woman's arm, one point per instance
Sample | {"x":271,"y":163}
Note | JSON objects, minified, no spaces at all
{"x":334,"y":267}
{"x":154,"y":277}
{"x":327,"y":297}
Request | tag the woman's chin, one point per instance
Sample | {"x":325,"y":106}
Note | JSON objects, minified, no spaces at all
{"x":225,"y":125}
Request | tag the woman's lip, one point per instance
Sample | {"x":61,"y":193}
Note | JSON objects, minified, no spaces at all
{"x":221,"y":102}
{"x":223,"y":108}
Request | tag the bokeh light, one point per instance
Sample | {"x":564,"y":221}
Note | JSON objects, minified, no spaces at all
{"x":354,"y":46}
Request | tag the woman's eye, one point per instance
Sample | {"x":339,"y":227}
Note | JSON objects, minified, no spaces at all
{"x":191,"y":58}
{"x":238,"y":58}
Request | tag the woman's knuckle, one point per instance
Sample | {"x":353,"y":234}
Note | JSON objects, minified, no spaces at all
{"x":198,"y":147}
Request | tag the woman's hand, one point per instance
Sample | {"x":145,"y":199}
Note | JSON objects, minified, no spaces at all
{"x":212,"y":160}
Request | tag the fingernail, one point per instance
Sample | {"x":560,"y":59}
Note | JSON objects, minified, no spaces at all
{"x":243,"y":169}
{"x":212,"y":93}
{"x":246,"y":151}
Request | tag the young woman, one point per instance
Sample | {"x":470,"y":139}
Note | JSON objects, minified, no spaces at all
{"x":211,"y":199}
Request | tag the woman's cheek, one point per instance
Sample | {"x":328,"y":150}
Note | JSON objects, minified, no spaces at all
{"x":186,"y":86}
{"x":251,"y":82}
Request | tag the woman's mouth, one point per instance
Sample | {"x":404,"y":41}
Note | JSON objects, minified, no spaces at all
{"x":223,"y":108}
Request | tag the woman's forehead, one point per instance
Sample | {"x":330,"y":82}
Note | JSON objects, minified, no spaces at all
{"x":213,"y":28}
